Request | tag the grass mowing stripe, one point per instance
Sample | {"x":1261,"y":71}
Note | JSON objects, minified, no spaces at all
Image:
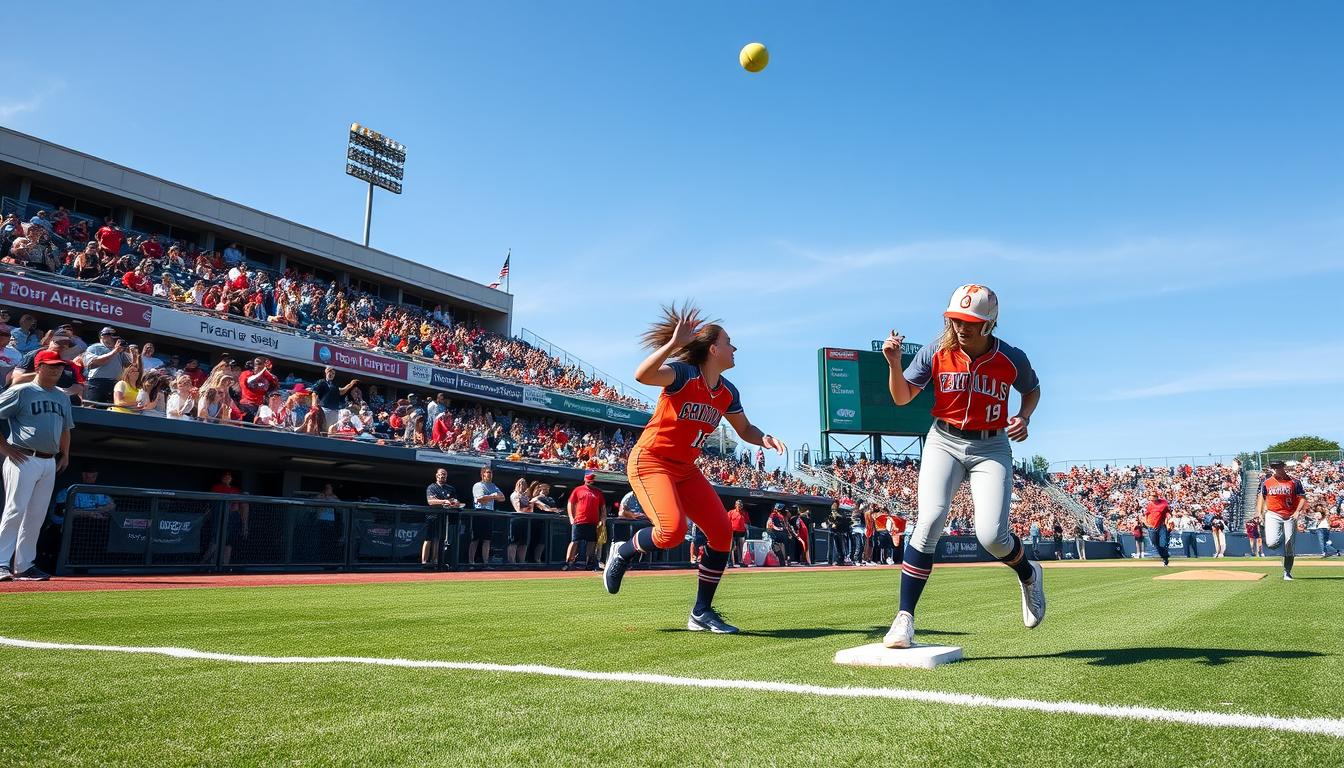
{"x":1315,"y":725}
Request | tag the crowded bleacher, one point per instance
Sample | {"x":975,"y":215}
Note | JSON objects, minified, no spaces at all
{"x":898,"y":480}
{"x":226,"y":283}
{"x":1118,"y":494}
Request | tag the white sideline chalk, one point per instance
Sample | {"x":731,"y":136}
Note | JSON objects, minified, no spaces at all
{"x":918,"y":657}
{"x":1324,"y":726}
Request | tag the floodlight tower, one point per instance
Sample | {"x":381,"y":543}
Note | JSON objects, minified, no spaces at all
{"x":376,"y":159}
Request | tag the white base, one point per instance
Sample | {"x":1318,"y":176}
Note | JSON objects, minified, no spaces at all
{"x":918,"y":657}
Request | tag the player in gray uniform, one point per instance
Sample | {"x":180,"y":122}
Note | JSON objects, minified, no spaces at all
{"x":38,"y":448}
{"x":971,"y":372}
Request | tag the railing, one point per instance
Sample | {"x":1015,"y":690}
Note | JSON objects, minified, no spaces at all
{"x":591,"y":371}
{"x":823,"y":476}
{"x":121,"y":529}
{"x":819,"y":458}
{"x":1080,"y":513}
{"x":1160,"y":461}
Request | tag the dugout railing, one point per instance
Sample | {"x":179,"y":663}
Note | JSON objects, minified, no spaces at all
{"x":107,"y":529}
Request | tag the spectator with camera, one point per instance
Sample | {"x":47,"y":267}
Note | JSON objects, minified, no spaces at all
{"x":104,"y":363}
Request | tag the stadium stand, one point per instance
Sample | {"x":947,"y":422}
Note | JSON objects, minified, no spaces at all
{"x":225,"y":284}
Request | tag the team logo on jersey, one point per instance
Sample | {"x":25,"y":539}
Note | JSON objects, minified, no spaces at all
{"x":702,"y":412}
{"x":979,"y":384}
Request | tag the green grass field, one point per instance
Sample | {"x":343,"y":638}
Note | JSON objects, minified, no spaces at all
{"x":1113,"y":636}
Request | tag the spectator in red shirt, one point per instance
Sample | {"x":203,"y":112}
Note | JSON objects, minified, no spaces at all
{"x":254,"y":386}
{"x":1157,"y":515}
{"x":109,"y":239}
{"x":236,"y":517}
{"x":193,"y":371}
{"x":737,"y":520}
{"x":137,"y":280}
{"x":586,"y":511}
{"x":151,"y":249}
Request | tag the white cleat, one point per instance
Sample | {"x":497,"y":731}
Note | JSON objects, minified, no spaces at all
{"x":1287,"y":577}
{"x":902,"y":632}
{"x":1033,"y":598}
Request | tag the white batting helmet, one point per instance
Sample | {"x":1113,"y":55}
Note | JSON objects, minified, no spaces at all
{"x":974,"y":304}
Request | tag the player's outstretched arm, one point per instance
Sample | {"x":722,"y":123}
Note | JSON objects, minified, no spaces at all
{"x":752,"y":434}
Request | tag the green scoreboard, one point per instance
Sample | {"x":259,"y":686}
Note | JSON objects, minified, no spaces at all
{"x":855,"y":398}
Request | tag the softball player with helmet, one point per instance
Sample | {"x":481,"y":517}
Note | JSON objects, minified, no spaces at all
{"x":972,"y":372}
{"x":661,"y":467}
{"x":1281,"y":501}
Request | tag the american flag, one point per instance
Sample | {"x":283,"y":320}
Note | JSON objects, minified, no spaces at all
{"x":503,"y":271}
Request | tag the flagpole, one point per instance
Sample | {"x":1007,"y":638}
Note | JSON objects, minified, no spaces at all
{"x":509,"y":276}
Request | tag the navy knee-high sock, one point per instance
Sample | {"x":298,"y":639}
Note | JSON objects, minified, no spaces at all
{"x":642,"y":541}
{"x":915,"y":572}
{"x":1017,"y":560}
{"x":712,"y":563}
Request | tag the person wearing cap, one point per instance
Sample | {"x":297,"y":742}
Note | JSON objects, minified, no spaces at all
{"x":586,"y":507}
{"x":103,"y":364}
{"x":1281,"y":501}
{"x":329,"y":397}
{"x":71,"y":380}
{"x":37,"y":449}
{"x":972,"y":373}
{"x":777,"y":531}
{"x":737,"y":520}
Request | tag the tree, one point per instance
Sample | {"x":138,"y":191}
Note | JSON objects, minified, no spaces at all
{"x":1303,"y":444}
{"x":1040,"y":463}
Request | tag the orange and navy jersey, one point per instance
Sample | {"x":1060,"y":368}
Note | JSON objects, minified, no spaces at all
{"x":687,"y":412}
{"x":972,"y":394}
{"x":1281,"y":496}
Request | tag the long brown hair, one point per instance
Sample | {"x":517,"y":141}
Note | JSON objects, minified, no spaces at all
{"x":660,"y":333}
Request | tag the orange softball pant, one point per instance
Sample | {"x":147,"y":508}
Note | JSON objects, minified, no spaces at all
{"x":671,"y":493}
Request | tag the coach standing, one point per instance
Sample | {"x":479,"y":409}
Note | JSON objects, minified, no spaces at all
{"x":38,"y":447}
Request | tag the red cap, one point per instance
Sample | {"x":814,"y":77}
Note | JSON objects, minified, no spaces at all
{"x":47,"y":357}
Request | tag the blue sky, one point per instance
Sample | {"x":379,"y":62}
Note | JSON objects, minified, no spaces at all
{"x":1155,"y":190}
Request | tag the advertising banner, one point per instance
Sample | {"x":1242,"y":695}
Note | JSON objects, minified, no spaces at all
{"x":253,"y":339}
{"x":473,"y":385}
{"x":379,"y":539}
{"x":588,"y":409}
{"x":431,"y":456}
{"x":69,"y":301}
{"x":174,"y":533}
{"x":359,"y":362}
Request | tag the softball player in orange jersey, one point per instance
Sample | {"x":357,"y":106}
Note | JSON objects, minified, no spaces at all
{"x":971,"y":371}
{"x":661,"y":467}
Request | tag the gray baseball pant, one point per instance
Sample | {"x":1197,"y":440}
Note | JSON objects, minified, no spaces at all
{"x":947,"y":461}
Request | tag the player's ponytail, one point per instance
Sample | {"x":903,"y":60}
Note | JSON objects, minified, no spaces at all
{"x":660,"y":333}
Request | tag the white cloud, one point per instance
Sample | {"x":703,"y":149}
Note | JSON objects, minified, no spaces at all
{"x":12,"y":109}
{"x":1290,"y":366}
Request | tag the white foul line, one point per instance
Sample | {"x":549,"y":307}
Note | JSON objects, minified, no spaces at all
{"x":1312,"y":725}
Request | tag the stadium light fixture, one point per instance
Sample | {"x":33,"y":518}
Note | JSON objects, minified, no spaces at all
{"x":376,"y":159}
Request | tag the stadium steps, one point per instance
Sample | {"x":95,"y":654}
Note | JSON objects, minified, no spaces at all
{"x":1075,"y":507}
{"x":1249,"y":487}
{"x":826,"y":478}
